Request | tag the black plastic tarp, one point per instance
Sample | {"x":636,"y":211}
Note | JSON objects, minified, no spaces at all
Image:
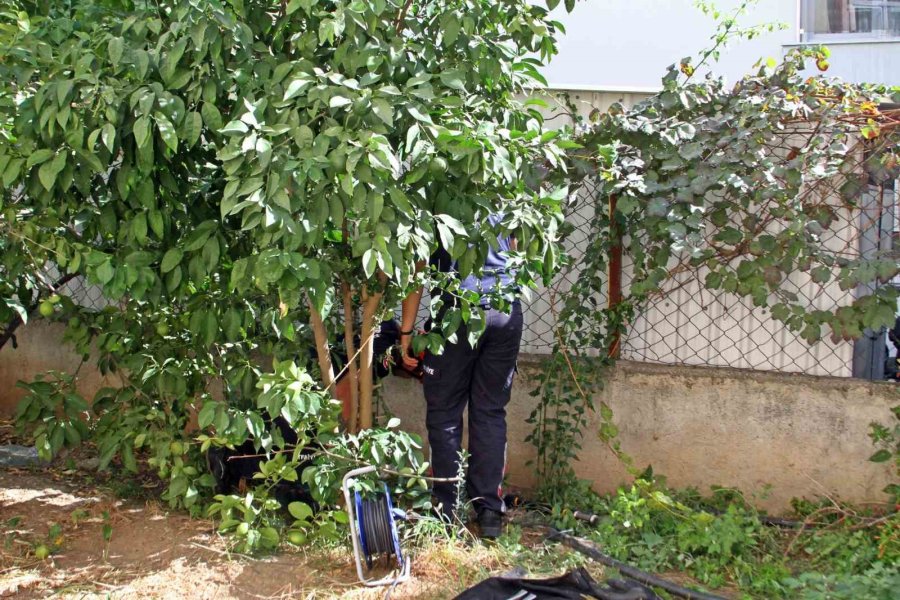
{"x":576,"y":585}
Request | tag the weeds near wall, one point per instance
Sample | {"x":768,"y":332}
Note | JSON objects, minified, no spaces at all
{"x":886,"y":439}
{"x":831,"y":551}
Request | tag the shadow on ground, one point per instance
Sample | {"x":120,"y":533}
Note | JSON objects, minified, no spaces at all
{"x":150,"y":553}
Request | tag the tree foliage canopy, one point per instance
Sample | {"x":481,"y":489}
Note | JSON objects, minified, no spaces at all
{"x":229,"y":171}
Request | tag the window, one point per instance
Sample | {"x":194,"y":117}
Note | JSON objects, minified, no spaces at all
{"x":851,"y":20}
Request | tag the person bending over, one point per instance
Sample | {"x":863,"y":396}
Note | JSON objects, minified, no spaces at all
{"x":479,"y":377}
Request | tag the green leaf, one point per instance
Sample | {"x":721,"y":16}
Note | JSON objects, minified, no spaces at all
{"x":235,"y":127}
{"x":38,"y":156}
{"x":170,"y":259}
{"x":451,"y":30}
{"x":49,"y":170}
{"x":114,"y":49}
{"x":207,"y":414}
{"x":418,"y":115}
{"x":300,"y":511}
{"x":376,"y":205}
{"x":141,"y":130}
{"x":882,"y":455}
{"x":730,"y":235}
{"x":339,"y":101}
{"x":211,"y":116}
{"x":370,"y":262}
{"x":105,"y":272}
{"x":193,"y":125}
{"x":108,"y":135}
{"x":142,"y":63}
{"x":446,"y":236}
{"x":167,"y":131}
{"x":62,"y":91}
{"x":155,"y":219}
{"x":296,"y":87}
{"x":454,"y":79}
{"x":210,"y":254}
{"x":139,"y":228}
{"x":384,"y":111}
{"x":238,"y":273}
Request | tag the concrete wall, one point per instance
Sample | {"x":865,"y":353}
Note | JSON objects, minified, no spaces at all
{"x":40,"y":349}
{"x":700,"y":426}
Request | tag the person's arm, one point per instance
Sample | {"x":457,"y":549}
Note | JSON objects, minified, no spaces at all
{"x":408,"y":313}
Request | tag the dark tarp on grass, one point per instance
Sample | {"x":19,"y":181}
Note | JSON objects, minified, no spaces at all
{"x":575,"y":585}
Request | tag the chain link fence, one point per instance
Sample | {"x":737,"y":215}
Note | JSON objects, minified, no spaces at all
{"x":686,"y":324}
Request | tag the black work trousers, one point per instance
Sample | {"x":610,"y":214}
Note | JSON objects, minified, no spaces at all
{"x":480,"y":377}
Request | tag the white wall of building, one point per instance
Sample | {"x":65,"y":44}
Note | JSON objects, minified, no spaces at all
{"x":627,"y":44}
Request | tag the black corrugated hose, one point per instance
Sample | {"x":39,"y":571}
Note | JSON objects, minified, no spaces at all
{"x":591,"y":551}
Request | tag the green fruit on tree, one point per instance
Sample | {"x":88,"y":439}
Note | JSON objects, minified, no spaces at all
{"x":243,"y":528}
{"x":162,"y":329}
{"x":54,"y":299}
{"x":42,"y":552}
{"x":46,"y":309}
{"x":438,"y":165}
{"x":176,"y":448}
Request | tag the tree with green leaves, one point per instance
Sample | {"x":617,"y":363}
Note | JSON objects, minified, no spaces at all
{"x":249,"y":181}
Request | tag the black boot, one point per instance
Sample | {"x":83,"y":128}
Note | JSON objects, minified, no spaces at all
{"x":490,"y":523}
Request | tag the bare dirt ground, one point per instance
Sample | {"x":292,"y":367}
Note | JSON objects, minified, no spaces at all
{"x":156,"y":553}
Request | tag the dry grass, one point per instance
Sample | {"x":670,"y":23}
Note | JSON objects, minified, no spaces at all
{"x":154,"y":553}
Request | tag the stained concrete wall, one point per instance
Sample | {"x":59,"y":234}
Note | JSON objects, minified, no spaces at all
{"x":40,"y":349}
{"x":701,"y":426}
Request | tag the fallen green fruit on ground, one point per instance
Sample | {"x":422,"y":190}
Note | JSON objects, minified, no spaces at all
{"x":296,"y":537}
{"x":42,"y":552}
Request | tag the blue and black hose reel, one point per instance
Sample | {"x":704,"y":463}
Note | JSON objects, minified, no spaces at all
{"x":373,"y":530}
{"x":376,"y":527}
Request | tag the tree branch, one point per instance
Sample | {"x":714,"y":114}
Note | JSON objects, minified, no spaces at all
{"x":352,"y":362}
{"x":398,"y":25}
{"x":371,"y":302}
{"x":322,"y":351}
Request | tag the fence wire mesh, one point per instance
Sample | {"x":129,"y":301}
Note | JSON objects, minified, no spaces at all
{"x":686,"y":324}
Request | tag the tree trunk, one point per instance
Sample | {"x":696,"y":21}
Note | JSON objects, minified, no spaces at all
{"x":366,"y":380}
{"x":322,"y":351}
{"x":352,"y":360}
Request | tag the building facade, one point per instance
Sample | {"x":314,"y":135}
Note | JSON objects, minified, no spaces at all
{"x":626,"y":45}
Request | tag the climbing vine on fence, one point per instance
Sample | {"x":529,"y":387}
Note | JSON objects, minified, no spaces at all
{"x":737,"y":186}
